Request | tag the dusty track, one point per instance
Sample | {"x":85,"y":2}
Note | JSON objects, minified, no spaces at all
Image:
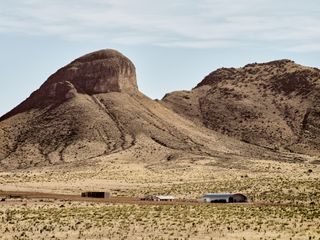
{"x":121,"y":200}
{"x":112,"y":200}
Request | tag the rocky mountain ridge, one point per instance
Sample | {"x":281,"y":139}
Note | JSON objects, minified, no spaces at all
{"x":92,"y":109}
{"x":274,"y":105}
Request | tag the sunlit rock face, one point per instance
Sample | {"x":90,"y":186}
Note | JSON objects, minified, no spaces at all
{"x":98,"y":72}
{"x":102,"y":71}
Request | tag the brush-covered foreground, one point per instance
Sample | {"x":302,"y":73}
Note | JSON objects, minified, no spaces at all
{"x":92,"y":221}
{"x":285,"y":201}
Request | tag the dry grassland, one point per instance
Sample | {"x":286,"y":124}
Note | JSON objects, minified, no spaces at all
{"x":287,"y":195}
{"x":92,"y":221}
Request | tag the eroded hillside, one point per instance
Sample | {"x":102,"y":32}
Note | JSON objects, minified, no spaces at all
{"x":274,"y":105}
{"x":92,"y":108}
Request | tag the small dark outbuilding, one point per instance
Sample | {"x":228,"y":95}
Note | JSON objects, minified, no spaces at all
{"x":95,"y":194}
{"x":224,"y":198}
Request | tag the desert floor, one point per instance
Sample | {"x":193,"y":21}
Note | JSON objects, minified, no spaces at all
{"x":285,"y":200}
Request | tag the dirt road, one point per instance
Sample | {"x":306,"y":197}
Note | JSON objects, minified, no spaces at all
{"x":111,"y":200}
{"x":117,"y":199}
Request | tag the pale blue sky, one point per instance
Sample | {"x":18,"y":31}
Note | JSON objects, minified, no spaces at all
{"x":173,"y":43}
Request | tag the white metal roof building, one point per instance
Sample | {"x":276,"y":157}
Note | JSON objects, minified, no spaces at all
{"x":224,"y":198}
{"x":158,"y":198}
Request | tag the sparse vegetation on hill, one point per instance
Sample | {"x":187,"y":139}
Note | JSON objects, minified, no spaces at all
{"x":92,"y":108}
{"x":274,"y":105}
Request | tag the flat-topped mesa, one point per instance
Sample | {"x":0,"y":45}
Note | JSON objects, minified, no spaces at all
{"x":98,"y":72}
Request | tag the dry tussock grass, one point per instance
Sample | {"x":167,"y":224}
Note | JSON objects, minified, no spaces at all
{"x":294,"y":184}
{"x":79,"y":221}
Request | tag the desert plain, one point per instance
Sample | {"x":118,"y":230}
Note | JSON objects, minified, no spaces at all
{"x":284,"y":201}
{"x":253,"y":130}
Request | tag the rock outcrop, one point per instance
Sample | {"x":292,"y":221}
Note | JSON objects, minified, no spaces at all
{"x":98,"y":72}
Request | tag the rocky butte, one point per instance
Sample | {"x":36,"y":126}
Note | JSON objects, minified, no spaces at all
{"x":92,"y":109}
{"x":98,"y":72}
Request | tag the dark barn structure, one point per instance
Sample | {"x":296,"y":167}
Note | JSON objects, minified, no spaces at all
{"x":95,"y":194}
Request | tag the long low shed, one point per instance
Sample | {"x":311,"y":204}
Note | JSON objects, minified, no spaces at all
{"x":224,"y":198}
{"x":95,"y":194}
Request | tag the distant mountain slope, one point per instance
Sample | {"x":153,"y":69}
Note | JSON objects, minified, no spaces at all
{"x":274,"y":104}
{"x":92,"y":107}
